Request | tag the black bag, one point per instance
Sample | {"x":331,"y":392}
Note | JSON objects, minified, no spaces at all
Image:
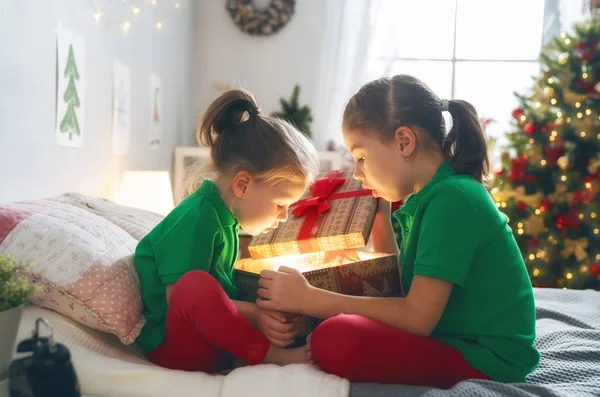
{"x":46,"y":372}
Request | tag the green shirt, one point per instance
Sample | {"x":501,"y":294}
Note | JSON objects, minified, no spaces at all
{"x":199,"y":234}
{"x":452,"y":230}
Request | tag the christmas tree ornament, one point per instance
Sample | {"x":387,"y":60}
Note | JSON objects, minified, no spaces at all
{"x":595,"y":269}
{"x":577,"y":247}
{"x":517,"y":113}
{"x":563,"y":163}
{"x":561,"y":194}
{"x":571,"y":98}
{"x":594,"y":165}
{"x":549,"y":92}
{"x":563,"y":58}
{"x":534,"y":154}
{"x":597,"y":87}
{"x":518,"y":195}
{"x":529,"y":128}
{"x":534,"y":225}
{"x":553,"y":152}
{"x":518,"y":169}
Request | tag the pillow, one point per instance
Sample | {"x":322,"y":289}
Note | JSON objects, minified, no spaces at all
{"x":134,"y":221}
{"x":82,"y":263}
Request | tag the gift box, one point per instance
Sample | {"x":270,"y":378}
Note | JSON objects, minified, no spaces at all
{"x":336,"y":213}
{"x":340,"y":215}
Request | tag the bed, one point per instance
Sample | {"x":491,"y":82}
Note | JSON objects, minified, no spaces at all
{"x":568,"y":333}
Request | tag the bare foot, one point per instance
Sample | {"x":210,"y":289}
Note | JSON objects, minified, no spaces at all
{"x":308,"y":351}
{"x":279,"y":356}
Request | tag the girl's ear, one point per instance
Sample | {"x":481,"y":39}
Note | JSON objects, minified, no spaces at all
{"x":405,"y":140}
{"x":240,"y":183}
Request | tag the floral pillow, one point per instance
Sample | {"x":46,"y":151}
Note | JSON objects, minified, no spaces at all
{"x":83,"y":264}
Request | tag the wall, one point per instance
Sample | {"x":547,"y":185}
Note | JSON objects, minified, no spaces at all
{"x":267,"y":66}
{"x":31,"y":164}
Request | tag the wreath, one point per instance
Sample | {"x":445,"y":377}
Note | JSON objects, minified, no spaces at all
{"x":260,"y":21}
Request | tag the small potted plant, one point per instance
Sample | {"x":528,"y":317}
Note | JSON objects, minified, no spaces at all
{"x":14,"y":290}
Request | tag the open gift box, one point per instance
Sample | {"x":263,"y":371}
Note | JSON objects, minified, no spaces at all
{"x":322,"y":239}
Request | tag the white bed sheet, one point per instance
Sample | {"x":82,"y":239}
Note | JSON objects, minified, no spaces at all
{"x":105,"y":367}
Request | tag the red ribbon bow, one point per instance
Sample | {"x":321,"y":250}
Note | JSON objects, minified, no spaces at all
{"x":323,"y":191}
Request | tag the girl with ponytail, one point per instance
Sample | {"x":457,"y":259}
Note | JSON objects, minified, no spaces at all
{"x":193,"y":321}
{"x":468,"y":308}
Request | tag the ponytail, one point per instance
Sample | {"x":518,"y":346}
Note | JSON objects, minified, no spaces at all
{"x":465,"y":144}
{"x":241,"y":138}
{"x":382,"y":105}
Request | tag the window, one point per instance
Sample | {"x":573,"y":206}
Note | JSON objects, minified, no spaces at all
{"x":477,"y":50}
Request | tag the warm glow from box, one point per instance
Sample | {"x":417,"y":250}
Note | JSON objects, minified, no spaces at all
{"x":147,"y":190}
{"x":307,"y":262}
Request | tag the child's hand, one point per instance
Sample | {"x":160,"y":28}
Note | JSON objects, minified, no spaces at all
{"x":285,"y":290}
{"x":273,"y":325}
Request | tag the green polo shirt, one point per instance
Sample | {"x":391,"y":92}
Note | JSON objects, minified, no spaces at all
{"x":199,"y":234}
{"x":451,"y":230}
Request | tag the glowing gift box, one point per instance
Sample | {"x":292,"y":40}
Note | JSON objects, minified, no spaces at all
{"x":334,"y":217}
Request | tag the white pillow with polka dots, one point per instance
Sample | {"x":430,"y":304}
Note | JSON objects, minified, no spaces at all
{"x":82,"y":263}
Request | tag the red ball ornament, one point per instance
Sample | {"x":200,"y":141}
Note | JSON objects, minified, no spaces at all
{"x":529,"y":128}
{"x":521,"y":206}
{"x":517,"y":113}
{"x":595,"y":269}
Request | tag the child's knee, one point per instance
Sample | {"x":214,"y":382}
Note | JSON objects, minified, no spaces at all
{"x":334,"y":345}
{"x":197,"y":285}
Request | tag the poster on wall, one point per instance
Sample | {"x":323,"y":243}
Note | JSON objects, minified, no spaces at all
{"x":156,"y":96}
{"x":121,"y":108}
{"x":70,"y":88}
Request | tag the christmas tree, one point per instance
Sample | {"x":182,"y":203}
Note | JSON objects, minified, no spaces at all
{"x":69,"y":122}
{"x":548,"y":184}
{"x":292,"y":112}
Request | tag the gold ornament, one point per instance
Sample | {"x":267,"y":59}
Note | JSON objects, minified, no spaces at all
{"x":561,"y":195}
{"x":518,"y":194}
{"x":597,"y":88}
{"x":549,"y":92}
{"x":563,"y":162}
{"x":571,"y":98}
{"x":563,"y":58}
{"x":534,"y":225}
{"x":594,"y":165}
{"x":534,"y":154}
{"x":575,"y":247}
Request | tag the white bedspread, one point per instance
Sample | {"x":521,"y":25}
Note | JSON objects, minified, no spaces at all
{"x":105,"y":367}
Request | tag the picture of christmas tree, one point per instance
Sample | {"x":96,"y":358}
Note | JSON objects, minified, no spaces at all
{"x":70,"y":88}
{"x":69,"y":123}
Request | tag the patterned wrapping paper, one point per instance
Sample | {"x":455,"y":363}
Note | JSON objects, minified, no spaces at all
{"x":346,"y":223}
{"x":349,"y":272}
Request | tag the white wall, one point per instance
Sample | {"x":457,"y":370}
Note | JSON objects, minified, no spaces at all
{"x":267,"y":66}
{"x":31,"y":165}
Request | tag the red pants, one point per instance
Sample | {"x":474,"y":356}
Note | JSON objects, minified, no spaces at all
{"x":205,"y":329}
{"x":365,"y":350}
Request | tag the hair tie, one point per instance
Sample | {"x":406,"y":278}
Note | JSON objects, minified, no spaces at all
{"x":445,"y":105}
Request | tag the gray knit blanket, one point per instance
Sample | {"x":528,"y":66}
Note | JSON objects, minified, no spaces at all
{"x":568,"y":339}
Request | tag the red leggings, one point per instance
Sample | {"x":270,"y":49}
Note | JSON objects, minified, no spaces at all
{"x":205,"y":329}
{"x":365,"y":350}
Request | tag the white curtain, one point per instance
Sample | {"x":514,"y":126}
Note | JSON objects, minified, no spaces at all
{"x":342,"y":62}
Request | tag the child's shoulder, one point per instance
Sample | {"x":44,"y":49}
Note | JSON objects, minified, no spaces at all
{"x":463,"y":194}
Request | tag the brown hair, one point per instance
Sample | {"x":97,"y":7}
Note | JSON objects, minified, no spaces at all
{"x":383,"y":105}
{"x":241,"y":138}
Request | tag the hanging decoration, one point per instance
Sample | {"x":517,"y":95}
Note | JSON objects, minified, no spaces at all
{"x":258,"y":21}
